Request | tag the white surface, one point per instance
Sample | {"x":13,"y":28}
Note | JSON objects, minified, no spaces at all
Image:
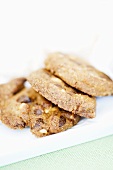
{"x":16,"y":145}
{"x":31,"y":28}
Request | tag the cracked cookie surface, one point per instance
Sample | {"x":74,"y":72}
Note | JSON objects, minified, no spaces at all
{"x":79,"y":74}
{"x":59,"y":93}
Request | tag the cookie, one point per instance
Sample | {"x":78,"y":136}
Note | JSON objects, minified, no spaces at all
{"x":15,"y":113}
{"x":29,"y":108}
{"x":59,"y":93}
{"x":9,"y":89}
{"x":79,"y":74}
{"x":47,"y":119}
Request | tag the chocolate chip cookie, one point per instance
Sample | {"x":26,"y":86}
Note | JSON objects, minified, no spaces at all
{"x":79,"y":74}
{"x":9,"y":89}
{"x":47,"y":119}
{"x":59,"y":93}
{"x":16,"y":110}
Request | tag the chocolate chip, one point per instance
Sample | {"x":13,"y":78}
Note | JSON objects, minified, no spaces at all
{"x":20,"y":125}
{"x":75,"y":116}
{"x":62,"y":121}
{"x":38,"y":122}
{"x":38,"y":112}
{"x":24,"y":99}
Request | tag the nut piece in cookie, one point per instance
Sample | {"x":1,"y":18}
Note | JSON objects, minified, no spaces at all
{"x":59,"y":93}
{"x":9,"y":89}
{"x":79,"y":74}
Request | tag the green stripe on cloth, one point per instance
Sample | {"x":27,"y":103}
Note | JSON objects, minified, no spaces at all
{"x":95,"y":155}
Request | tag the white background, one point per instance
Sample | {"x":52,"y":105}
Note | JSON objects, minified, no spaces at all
{"x":29,"y":29}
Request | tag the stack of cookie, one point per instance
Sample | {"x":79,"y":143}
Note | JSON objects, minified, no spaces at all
{"x":59,"y":95}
